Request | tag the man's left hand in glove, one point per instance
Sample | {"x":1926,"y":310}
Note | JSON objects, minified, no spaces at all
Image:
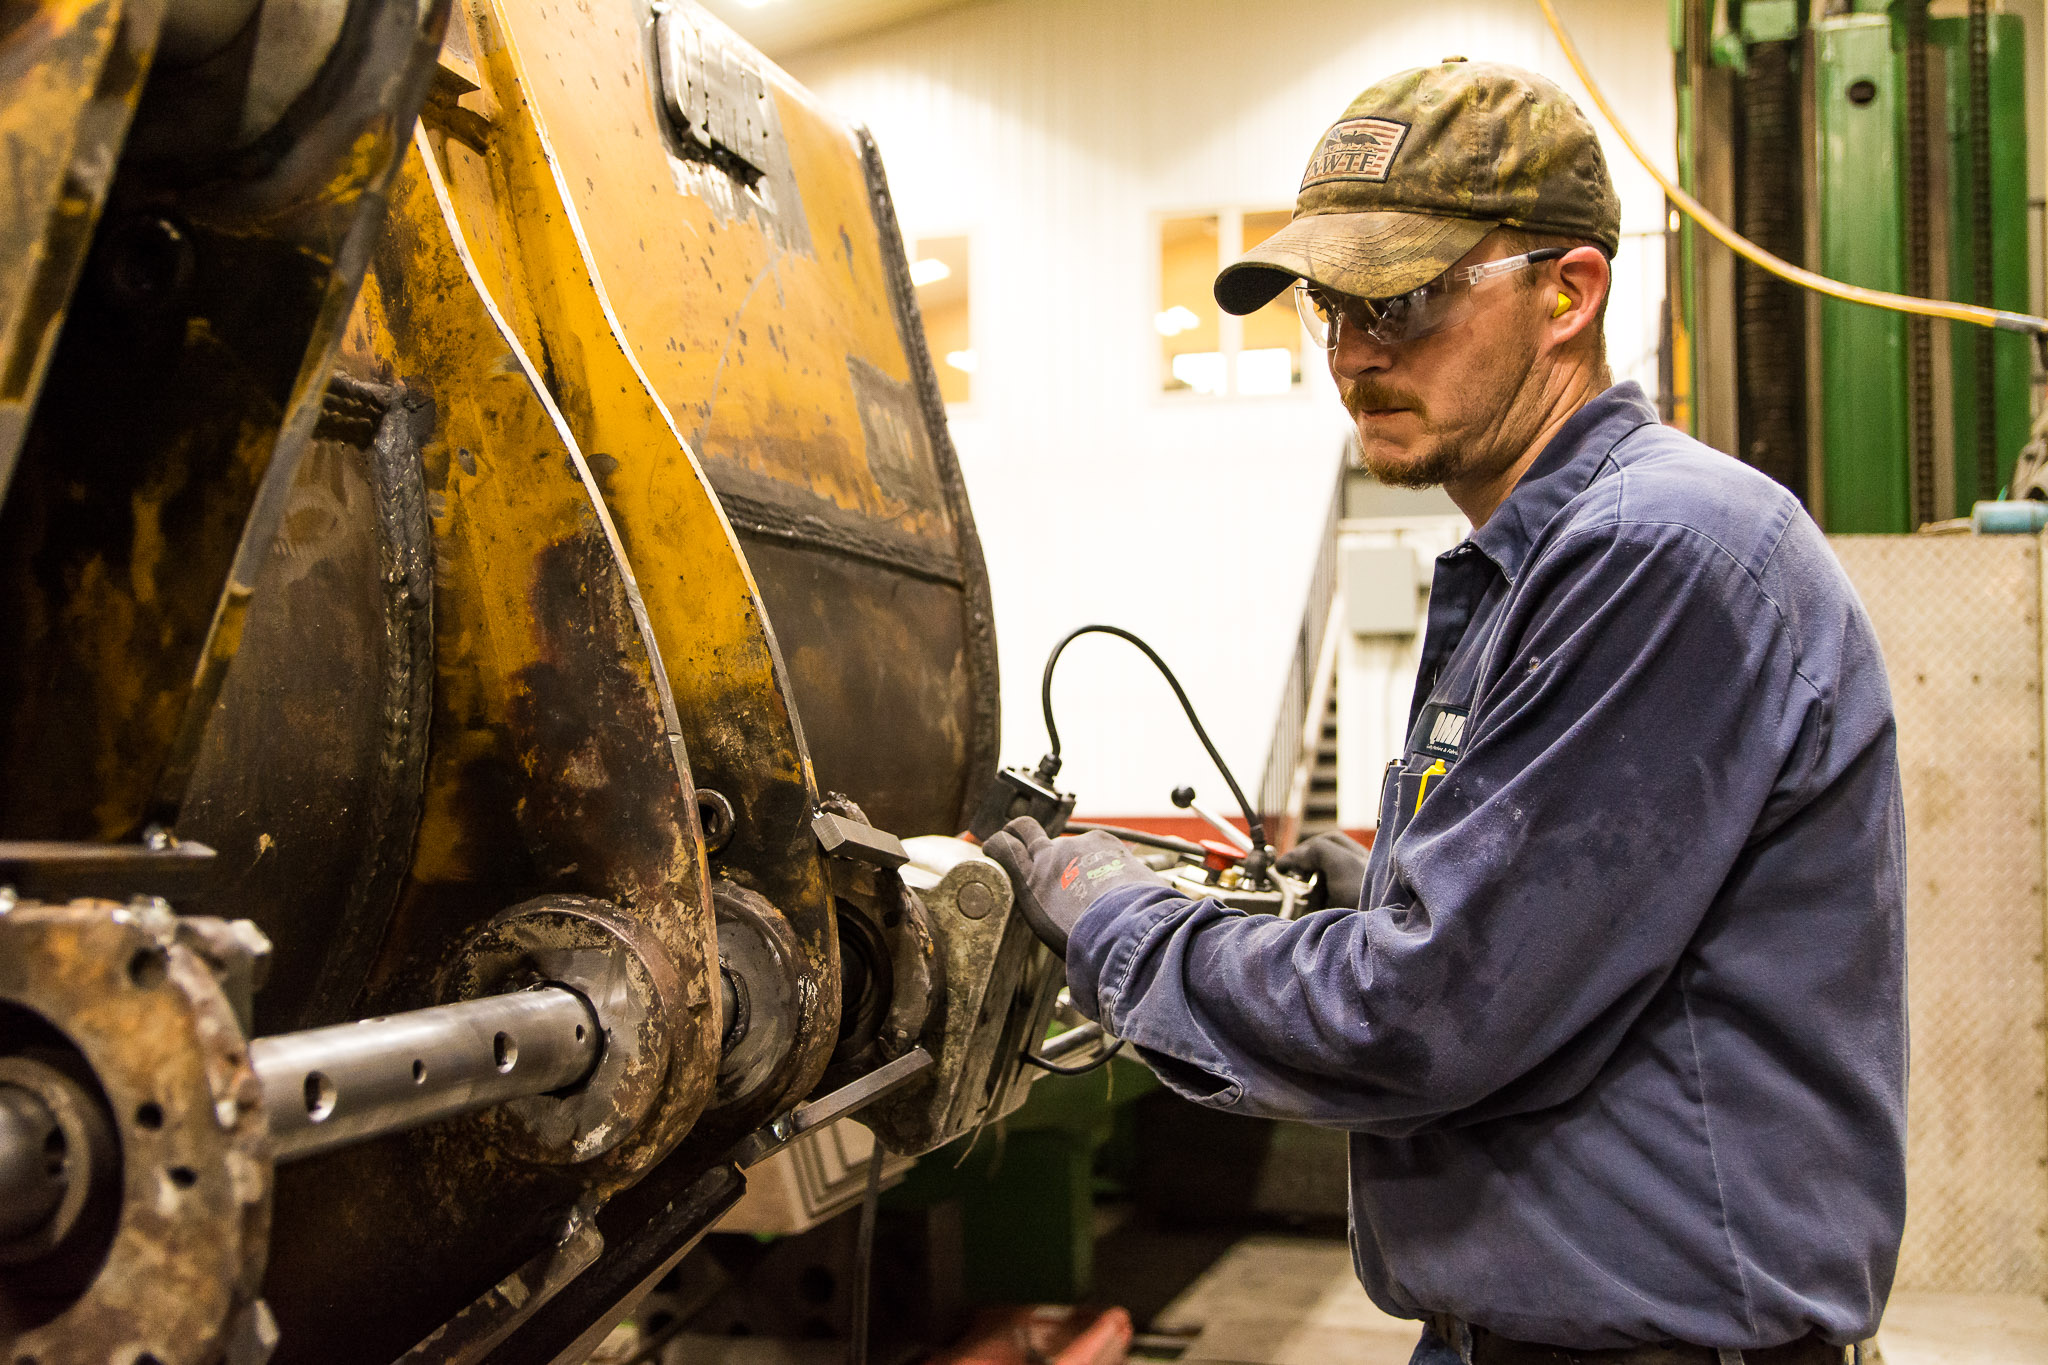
{"x":1058,"y":879}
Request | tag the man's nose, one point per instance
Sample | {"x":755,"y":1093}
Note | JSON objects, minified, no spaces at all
{"x":1357,"y":354}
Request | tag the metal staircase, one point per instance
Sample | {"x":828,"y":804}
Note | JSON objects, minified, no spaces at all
{"x":1319,"y":810}
{"x":1300,"y":781}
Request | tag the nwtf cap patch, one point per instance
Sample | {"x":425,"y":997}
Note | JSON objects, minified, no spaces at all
{"x":1356,"y":149}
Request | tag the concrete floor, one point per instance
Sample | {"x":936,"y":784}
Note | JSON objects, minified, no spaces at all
{"x":1278,"y":1300}
{"x":1294,"y":1301}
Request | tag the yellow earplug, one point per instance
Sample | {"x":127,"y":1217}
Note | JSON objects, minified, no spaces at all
{"x":1564,"y":305}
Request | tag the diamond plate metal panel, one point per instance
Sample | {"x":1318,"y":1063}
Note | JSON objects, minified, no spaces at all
{"x":1959,"y":620}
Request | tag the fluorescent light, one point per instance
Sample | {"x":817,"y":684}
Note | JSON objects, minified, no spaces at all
{"x":963,"y":361}
{"x":930,"y":270}
{"x":1174,"y":321}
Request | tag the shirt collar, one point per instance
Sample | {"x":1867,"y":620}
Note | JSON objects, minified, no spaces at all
{"x":1562,"y":472}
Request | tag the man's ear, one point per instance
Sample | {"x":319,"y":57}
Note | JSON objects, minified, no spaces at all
{"x":1583,"y":280}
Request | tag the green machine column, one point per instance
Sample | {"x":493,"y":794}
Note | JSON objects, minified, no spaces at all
{"x":1858,"y":110}
{"x":2012,"y":352}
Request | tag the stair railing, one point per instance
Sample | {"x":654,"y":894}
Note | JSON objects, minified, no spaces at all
{"x":1297,"y":729}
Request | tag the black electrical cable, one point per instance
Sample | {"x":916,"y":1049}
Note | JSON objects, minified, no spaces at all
{"x":1172,"y":843}
{"x":864,"y":1261}
{"x":1083,"y":1069}
{"x":1253,"y":823}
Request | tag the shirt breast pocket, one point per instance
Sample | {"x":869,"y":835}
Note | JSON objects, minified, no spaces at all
{"x":1407,"y":785}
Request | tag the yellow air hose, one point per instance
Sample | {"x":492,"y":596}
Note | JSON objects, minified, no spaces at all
{"x":1764,"y":260}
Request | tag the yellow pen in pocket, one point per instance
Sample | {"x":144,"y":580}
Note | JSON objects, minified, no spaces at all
{"x":1435,"y":769}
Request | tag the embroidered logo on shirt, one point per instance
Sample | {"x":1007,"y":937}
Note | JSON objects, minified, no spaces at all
{"x":1356,"y":149}
{"x":1441,"y":730}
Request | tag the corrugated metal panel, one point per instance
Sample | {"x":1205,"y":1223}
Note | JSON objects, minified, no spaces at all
{"x":1056,"y":133}
{"x":1959,"y":618}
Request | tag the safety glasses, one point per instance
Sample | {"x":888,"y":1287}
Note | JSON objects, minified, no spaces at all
{"x":1423,"y":311}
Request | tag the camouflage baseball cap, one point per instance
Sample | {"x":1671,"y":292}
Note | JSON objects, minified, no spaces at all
{"x":1420,"y":168}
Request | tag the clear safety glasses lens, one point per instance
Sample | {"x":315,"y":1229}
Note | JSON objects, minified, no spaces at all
{"x":1442,"y":303}
{"x":1316,"y":316}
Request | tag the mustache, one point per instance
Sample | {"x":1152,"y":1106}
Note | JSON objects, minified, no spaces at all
{"x":1363,"y":396}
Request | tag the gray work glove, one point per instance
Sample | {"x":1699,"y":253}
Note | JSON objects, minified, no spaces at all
{"x":1058,"y":879}
{"x":1338,"y":860}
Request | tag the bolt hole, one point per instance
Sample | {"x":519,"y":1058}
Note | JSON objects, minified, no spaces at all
{"x":147,"y":1358}
{"x":319,"y":1096}
{"x":579,"y":1033}
{"x":506,"y":1051}
{"x":419,"y":1072}
{"x":715,"y":814}
{"x":184,"y":1177}
{"x":1862,"y":92}
{"x":150,"y":1115}
{"x":148,"y":967}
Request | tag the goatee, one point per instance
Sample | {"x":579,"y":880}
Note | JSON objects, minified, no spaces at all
{"x":1428,"y":470}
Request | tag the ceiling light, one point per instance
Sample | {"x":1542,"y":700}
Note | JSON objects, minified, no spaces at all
{"x":963,"y":361}
{"x":1174,"y":321}
{"x":930,"y":270}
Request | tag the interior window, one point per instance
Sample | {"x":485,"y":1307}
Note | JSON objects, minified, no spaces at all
{"x":938,"y":270}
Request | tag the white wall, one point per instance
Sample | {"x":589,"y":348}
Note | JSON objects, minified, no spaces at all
{"x":1054,"y":132}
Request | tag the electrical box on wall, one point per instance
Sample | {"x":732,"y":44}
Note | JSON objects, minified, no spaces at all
{"x":1382,"y":590}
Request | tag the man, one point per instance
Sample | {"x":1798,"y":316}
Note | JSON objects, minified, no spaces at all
{"x":1618,"y":1022}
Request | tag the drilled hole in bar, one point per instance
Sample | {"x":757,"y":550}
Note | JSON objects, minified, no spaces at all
{"x":148,"y":967}
{"x":506,"y":1051}
{"x":320,"y":1096}
{"x":419,"y":1072}
{"x":150,"y":1115}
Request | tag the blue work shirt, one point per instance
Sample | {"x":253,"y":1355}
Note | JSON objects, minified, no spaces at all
{"x":1619,"y":1029}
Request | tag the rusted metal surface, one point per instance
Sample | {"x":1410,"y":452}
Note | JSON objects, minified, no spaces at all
{"x":732,"y":700}
{"x":981,"y":698}
{"x":555,"y":768}
{"x":124,"y":992}
{"x":163,"y":447}
{"x":768,"y":317}
{"x":636,"y":469}
{"x":888,"y":960}
{"x":310,"y":778}
{"x":623,"y":1113}
{"x":758,"y":951}
{"x":70,"y":74}
{"x":985,"y":969}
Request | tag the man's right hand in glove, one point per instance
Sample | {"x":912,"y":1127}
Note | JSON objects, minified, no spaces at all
{"x":1058,"y":879}
{"x":1339,"y":862}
